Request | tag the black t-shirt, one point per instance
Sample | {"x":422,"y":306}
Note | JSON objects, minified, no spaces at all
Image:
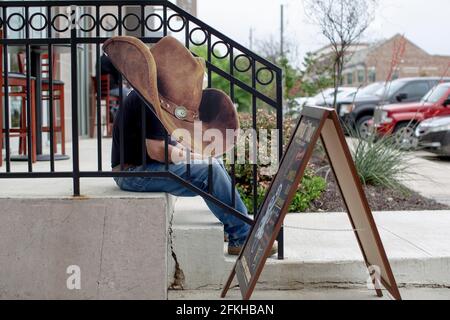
{"x":107,"y":67}
{"x":131,"y":112}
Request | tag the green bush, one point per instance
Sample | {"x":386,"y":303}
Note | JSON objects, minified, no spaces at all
{"x":246,"y":193}
{"x":309,"y":190}
{"x":311,"y":187}
{"x":380,"y":161}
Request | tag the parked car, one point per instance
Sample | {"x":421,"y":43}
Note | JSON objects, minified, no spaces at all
{"x":370,"y":89}
{"x":352,"y":94}
{"x":434,"y":135}
{"x":346,"y":94}
{"x":322,"y":96}
{"x":402,"y":119}
{"x":357,"y":113}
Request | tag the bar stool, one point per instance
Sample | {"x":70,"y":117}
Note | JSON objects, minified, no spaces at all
{"x":58,"y":95}
{"x":18,"y":82}
{"x":109,"y":102}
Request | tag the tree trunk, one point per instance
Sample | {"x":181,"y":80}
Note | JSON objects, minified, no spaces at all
{"x":337,"y":77}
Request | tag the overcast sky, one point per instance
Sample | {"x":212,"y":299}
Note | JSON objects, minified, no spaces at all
{"x":425,"y":22}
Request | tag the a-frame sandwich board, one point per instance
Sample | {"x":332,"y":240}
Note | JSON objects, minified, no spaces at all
{"x":315,"y":123}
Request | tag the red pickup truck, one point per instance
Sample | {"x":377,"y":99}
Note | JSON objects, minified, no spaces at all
{"x":402,"y":119}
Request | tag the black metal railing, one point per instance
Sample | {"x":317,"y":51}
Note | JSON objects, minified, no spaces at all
{"x":48,"y":25}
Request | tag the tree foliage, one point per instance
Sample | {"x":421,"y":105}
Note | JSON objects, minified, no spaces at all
{"x":342,"y":23}
{"x":292,"y":76}
{"x":315,"y":76}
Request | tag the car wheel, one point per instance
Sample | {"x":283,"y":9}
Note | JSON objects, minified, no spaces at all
{"x":405,"y":136}
{"x":362,"y":125}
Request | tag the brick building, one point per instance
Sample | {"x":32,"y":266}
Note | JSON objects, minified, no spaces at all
{"x":325,"y":54}
{"x":324,"y":58}
{"x":394,"y":58}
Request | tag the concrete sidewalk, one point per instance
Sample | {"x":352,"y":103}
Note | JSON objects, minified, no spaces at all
{"x":320,"y":248}
{"x":409,"y":293}
{"x":87,"y":154}
{"x":430,"y":176}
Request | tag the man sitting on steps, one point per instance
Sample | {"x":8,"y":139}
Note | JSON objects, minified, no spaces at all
{"x":170,"y":80}
{"x":236,"y":229}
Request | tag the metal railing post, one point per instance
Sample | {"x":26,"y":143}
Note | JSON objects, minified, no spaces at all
{"x":6,"y":86}
{"x":254,"y":143}
{"x":74,"y":93}
{"x":279,"y":77}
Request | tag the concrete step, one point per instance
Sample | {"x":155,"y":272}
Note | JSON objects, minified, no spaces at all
{"x":197,"y":245}
{"x":107,"y":244}
{"x":320,"y":249}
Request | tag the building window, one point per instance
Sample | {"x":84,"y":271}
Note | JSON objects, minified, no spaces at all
{"x":372,"y":76}
{"x":361,"y":76}
{"x":349,"y":78}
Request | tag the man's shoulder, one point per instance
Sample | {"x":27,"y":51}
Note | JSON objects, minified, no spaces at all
{"x":132,"y":95}
{"x":134,"y":101}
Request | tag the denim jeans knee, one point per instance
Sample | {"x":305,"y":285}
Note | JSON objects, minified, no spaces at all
{"x":222,"y":190}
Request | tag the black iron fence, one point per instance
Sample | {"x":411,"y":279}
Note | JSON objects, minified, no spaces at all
{"x":46,"y":26}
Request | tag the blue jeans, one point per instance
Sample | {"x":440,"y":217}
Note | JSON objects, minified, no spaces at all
{"x":236,"y":229}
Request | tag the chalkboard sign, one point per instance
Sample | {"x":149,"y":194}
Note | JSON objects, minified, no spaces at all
{"x":314,"y":123}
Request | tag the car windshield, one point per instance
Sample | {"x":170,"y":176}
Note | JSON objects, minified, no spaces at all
{"x":371,"y":89}
{"x":324,"y":94}
{"x":387,"y":90}
{"x":435,"y":94}
{"x":328,"y":94}
{"x":341,"y":95}
{"x":346,"y":94}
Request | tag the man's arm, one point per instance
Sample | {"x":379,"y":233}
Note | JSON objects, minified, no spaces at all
{"x":156,"y":151}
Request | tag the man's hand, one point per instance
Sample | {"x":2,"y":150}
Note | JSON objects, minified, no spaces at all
{"x":156,"y":150}
{"x":183,"y":154}
{"x":177,"y":154}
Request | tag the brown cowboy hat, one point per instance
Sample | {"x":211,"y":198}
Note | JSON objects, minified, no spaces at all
{"x":170,"y":78}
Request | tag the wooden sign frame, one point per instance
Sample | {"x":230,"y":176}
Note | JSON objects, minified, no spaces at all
{"x":315,"y":123}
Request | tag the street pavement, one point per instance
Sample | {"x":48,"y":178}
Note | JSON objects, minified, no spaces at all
{"x":408,"y":293}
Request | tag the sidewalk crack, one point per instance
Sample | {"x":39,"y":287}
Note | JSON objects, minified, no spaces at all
{"x":178,"y":276}
{"x":101,"y":254}
{"x":408,"y":241}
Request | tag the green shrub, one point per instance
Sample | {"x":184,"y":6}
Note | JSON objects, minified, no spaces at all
{"x":380,"y":161}
{"x":309,"y":190}
{"x":311,"y":187}
{"x":247,"y":196}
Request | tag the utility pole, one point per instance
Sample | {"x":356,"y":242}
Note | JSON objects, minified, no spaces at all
{"x":251,"y":38}
{"x":282,"y":31}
